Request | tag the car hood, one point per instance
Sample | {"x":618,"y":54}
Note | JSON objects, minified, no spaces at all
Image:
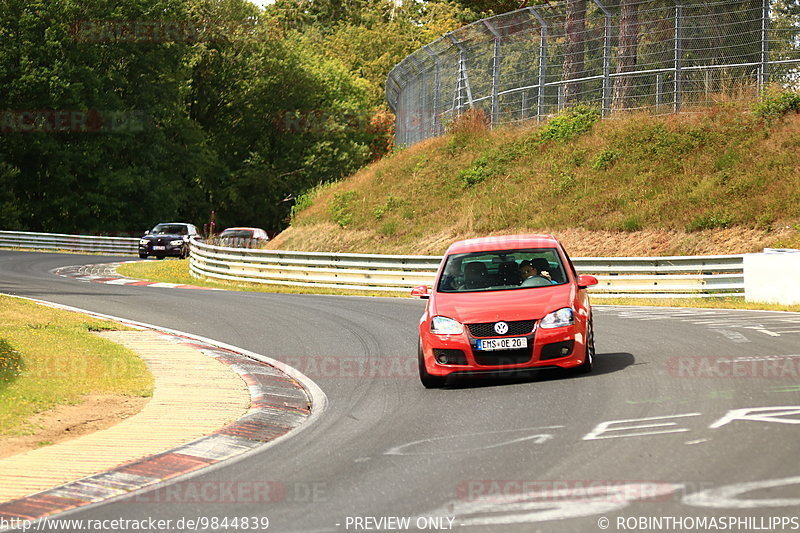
{"x":515,"y":304}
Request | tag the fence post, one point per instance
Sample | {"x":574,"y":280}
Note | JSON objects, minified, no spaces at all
{"x":524,"y":104}
{"x":421,"y":120}
{"x":763,"y":77}
{"x":463,"y":77}
{"x":606,"y":58}
{"x":659,"y":97}
{"x":438,"y":82}
{"x":495,"y":73}
{"x":676,"y":106}
{"x":542,"y":61}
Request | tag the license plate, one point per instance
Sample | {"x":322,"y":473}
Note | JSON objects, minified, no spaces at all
{"x":159,"y":247}
{"x":511,"y":343}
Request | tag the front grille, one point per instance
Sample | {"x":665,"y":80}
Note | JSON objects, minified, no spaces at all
{"x":516,"y":327}
{"x":449,"y":357}
{"x":502,"y":357}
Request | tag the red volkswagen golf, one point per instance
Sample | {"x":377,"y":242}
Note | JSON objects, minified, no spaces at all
{"x":505,"y":304}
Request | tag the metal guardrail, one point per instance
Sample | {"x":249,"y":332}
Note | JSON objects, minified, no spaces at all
{"x":645,"y":277}
{"x":73,"y":243}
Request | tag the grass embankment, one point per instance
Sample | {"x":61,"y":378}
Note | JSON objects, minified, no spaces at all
{"x":50,"y":357}
{"x":721,"y":180}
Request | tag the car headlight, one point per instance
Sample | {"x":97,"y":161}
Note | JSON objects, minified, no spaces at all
{"x":143,"y":241}
{"x":176,"y":243}
{"x":441,"y":325}
{"x":557,"y":319}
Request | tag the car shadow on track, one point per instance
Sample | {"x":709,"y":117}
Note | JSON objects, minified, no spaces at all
{"x":605,"y":363}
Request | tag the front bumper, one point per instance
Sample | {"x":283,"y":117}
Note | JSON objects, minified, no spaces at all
{"x":167,"y":249}
{"x":562,"y":347}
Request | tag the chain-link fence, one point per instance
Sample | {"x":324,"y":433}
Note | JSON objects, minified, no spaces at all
{"x":661,"y":55}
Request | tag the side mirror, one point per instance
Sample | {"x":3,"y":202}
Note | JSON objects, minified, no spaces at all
{"x":421,"y":292}
{"x":585,"y":280}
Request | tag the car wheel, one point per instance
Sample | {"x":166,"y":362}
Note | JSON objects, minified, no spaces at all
{"x":586,"y":366}
{"x":142,"y":256}
{"x":428,"y":381}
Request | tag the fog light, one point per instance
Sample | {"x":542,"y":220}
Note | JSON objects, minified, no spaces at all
{"x":449,"y":357}
{"x":557,"y":350}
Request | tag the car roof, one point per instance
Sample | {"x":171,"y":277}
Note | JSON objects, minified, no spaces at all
{"x":503,"y":242}
{"x":243,"y":227}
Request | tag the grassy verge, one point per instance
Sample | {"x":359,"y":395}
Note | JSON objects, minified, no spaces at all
{"x":706,"y":303}
{"x":50,"y":357}
{"x":178,"y":272}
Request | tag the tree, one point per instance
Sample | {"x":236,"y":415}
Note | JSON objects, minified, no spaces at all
{"x":627,"y":51}
{"x":575,"y":32}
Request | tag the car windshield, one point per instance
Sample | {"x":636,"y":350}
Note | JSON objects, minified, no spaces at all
{"x":502,"y":270}
{"x":237,"y":233}
{"x":170,"y":229}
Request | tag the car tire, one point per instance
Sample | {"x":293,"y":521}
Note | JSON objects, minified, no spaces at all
{"x":428,"y":381}
{"x":586,"y":366}
{"x":142,"y":256}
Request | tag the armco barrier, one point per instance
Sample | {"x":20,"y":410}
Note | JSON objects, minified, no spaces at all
{"x":644,"y":277}
{"x":73,"y":243}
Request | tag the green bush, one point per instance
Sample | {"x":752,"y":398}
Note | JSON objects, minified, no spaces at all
{"x":475,"y":174}
{"x":392,"y":203}
{"x":570,"y":123}
{"x":563,"y":182}
{"x":339,"y":208}
{"x":776,"y":103}
{"x":633,"y":223}
{"x":305,"y":199}
{"x":605,"y":159}
{"x":711,"y":221}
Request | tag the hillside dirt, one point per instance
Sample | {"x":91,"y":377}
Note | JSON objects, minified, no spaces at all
{"x":578,"y":242}
{"x":95,"y":412}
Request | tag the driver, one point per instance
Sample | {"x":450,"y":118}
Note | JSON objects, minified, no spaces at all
{"x":529,"y":272}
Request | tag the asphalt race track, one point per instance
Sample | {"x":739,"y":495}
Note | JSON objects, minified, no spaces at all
{"x":689,"y":414}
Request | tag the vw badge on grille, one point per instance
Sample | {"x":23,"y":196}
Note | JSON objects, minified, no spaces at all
{"x":501,"y":328}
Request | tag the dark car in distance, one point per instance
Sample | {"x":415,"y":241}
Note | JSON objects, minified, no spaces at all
{"x":243,"y":238}
{"x":168,"y":239}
